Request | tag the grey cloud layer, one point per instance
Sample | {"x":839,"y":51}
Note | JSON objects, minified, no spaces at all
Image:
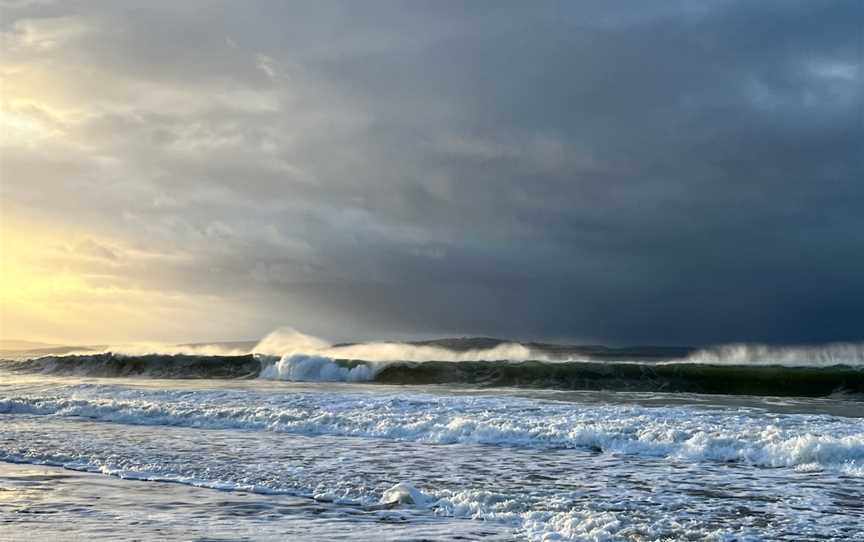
{"x":622,"y":172}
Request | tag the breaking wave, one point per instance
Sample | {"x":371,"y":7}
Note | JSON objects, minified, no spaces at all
{"x":287,"y":342}
{"x":851,"y":354}
{"x":286,"y":354}
{"x":302,"y":368}
{"x":671,"y":377}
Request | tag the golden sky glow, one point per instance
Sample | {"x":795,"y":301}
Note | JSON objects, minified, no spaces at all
{"x":61,"y":282}
{"x":62,"y":287}
{"x":48,"y":292}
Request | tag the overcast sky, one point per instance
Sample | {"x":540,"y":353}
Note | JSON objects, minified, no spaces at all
{"x":619,"y":172}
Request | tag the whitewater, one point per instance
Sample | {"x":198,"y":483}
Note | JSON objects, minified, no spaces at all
{"x":296,"y":438}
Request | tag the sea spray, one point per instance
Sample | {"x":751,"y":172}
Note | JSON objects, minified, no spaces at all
{"x":288,"y":341}
{"x":849,"y":354}
{"x":306,"y":368}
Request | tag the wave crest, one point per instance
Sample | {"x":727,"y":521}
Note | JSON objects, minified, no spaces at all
{"x":310,"y":368}
{"x":850,"y":354}
{"x":288,"y":341}
{"x":764,"y":380}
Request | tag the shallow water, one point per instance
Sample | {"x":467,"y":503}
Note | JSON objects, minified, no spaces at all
{"x":264,"y":460}
{"x":50,"y":503}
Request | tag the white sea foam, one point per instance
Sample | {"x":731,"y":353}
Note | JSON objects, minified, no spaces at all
{"x":535,"y":525}
{"x":669,"y":432}
{"x":310,"y":368}
{"x":501,"y":443}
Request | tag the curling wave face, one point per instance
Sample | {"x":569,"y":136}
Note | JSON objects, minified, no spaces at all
{"x":111,"y":365}
{"x":672,"y":377}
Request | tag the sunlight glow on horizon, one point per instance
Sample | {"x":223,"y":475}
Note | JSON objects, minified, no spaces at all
{"x":52,"y":290}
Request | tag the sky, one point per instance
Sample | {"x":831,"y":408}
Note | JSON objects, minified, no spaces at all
{"x":665,"y":172}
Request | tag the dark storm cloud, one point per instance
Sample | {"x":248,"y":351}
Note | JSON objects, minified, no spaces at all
{"x":622,"y":172}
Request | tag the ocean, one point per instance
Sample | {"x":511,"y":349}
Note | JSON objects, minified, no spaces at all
{"x":509,"y":442}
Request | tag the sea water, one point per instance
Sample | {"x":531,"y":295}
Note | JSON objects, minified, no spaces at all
{"x":142,"y":458}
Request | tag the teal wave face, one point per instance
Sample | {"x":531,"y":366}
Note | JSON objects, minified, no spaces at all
{"x":109,"y":365}
{"x":669,"y":377}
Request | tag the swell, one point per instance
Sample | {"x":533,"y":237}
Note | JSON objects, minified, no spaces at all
{"x":644,"y":377}
{"x":110,"y":365}
{"x":670,"y":377}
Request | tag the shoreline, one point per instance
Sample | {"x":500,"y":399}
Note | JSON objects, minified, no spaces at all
{"x":39,"y":502}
